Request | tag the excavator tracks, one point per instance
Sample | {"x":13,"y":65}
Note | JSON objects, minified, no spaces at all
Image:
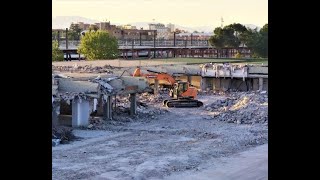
{"x":182,"y":103}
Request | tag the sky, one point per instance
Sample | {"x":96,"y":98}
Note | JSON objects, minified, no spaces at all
{"x":190,"y":13}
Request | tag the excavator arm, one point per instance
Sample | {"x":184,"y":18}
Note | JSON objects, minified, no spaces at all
{"x":160,"y":77}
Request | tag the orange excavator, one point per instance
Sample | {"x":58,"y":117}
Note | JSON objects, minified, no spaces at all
{"x":181,"y":93}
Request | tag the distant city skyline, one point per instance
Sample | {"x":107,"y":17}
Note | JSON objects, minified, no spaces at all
{"x":184,"y":12}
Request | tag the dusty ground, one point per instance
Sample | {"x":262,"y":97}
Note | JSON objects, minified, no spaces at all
{"x":166,"y":145}
{"x":116,"y":63}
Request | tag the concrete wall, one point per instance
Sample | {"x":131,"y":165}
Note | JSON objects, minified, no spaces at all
{"x":68,"y":85}
{"x":224,"y":84}
{"x":256,"y":84}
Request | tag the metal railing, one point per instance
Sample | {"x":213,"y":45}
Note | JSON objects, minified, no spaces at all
{"x":130,"y":43}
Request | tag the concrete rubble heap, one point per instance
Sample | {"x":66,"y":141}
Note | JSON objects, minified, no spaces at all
{"x":145,"y":108}
{"x":84,"y":69}
{"x":62,"y":135}
{"x":241,"y":108}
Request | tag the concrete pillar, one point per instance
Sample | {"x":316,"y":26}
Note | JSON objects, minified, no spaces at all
{"x":204,"y":84}
{"x":260,"y":84}
{"x":95,"y":102}
{"x":133,"y":104}
{"x":189,"y":79}
{"x":217,"y":84}
{"x":100,"y":106}
{"x":156,"y":86}
{"x":55,"y":113}
{"x":107,"y":108}
{"x":265,"y":84}
{"x":80,"y":112}
{"x":225,"y":83}
{"x":255,"y":84}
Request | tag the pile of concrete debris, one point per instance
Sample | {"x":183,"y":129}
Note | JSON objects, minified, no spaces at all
{"x":212,"y":92}
{"x":241,"y":108}
{"x":84,"y":69}
{"x":148,"y":108}
{"x":62,"y":135}
{"x":152,"y":98}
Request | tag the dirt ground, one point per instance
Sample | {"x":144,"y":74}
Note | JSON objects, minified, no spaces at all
{"x":171,"y":144}
{"x":115,"y":63}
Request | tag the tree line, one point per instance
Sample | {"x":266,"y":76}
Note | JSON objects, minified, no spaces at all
{"x":234,"y":35}
{"x":97,"y":44}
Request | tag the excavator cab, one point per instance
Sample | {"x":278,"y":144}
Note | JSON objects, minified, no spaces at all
{"x":179,"y":88}
{"x":182,"y":96}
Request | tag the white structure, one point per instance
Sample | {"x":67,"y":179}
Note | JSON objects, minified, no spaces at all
{"x":224,"y":70}
{"x":80,"y":112}
{"x":170,"y":27}
{"x":162,"y":31}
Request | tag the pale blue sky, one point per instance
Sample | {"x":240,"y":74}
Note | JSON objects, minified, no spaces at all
{"x":183,"y":12}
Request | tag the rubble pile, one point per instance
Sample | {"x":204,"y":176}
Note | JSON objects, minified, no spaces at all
{"x":152,"y":98}
{"x":241,"y":108}
{"x":146,"y":111}
{"x":62,"y":135}
{"x":84,"y":69}
{"x":96,"y":123}
{"x":68,"y":96}
{"x":211,"y":92}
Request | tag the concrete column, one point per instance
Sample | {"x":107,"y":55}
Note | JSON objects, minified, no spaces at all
{"x":189,"y":79}
{"x":255,"y":84}
{"x":133,"y":105}
{"x":156,"y":86}
{"x":225,"y":84}
{"x":55,"y":114}
{"x":216,"y":84}
{"x":204,"y":84}
{"x":100,"y":106}
{"x":107,"y":108}
{"x":260,"y":84}
{"x":95,"y":102}
{"x":80,"y":112}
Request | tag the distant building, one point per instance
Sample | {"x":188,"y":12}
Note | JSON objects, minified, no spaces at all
{"x":171,"y":27}
{"x":195,"y":36}
{"x":128,"y":26}
{"x":83,"y":26}
{"x":135,"y":34}
{"x":120,"y":32}
{"x":162,"y":31}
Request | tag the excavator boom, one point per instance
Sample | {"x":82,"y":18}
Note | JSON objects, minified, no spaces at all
{"x":182,"y":94}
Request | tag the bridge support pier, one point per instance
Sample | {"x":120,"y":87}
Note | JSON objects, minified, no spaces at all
{"x":133,"y":104}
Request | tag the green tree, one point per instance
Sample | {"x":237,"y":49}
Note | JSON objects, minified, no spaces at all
{"x":74,"y":32}
{"x":235,"y":34}
{"x":54,"y":35}
{"x":262,"y":42}
{"x":98,"y":45}
{"x":217,"y":40}
{"x":57,"y":54}
{"x":257,"y":41}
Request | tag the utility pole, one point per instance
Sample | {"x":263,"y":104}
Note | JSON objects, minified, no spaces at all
{"x":222,"y":22}
{"x":154,"y":43}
